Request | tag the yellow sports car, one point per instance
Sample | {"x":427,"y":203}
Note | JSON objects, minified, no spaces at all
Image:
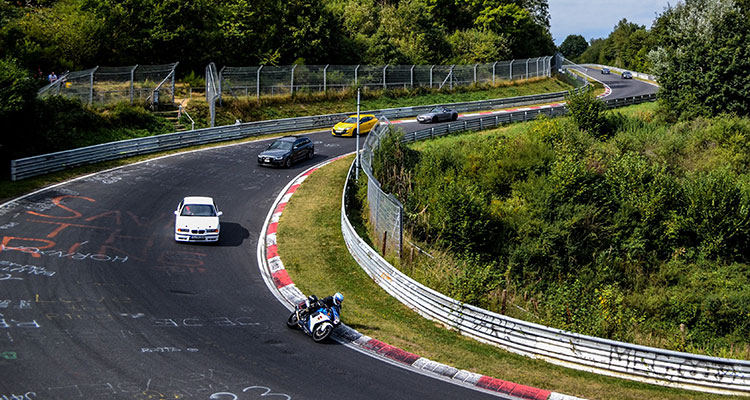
{"x":348,"y":126}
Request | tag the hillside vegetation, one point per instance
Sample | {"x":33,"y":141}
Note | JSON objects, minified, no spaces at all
{"x":636,"y":230}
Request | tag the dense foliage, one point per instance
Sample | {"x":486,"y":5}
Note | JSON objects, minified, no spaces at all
{"x":573,"y":46}
{"x":626,"y":236}
{"x":626,"y":47}
{"x":37,"y":126}
{"x":703,"y":58}
{"x":76,"y":34}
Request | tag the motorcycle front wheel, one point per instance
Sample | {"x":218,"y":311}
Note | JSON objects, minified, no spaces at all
{"x":293,"y":321}
{"x":322,"y":332}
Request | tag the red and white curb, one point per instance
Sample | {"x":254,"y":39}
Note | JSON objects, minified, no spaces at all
{"x":278,"y":281}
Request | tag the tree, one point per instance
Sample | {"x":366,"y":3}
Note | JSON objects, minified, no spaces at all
{"x":702,"y":58}
{"x":573,"y":46}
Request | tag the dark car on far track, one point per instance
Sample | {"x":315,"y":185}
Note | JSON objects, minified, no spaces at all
{"x":286,"y":150}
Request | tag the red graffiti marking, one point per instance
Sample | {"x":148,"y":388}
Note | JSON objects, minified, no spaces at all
{"x":27,"y":249}
{"x":63,"y":225}
{"x":107,"y":214}
{"x":56,"y":201}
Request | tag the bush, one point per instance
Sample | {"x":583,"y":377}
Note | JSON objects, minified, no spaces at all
{"x":588,"y":112}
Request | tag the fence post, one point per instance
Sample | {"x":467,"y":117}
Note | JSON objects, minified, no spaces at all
{"x":257,"y":83}
{"x":450,"y":78}
{"x":431,"y":68}
{"x":132,"y":81}
{"x":510,"y":70}
{"x":291,"y":83}
{"x":411,"y":76}
{"x":384,"y":84}
{"x":527,"y":68}
{"x":493,"y":72}
{"x":537,"y":67}
{"x":325,"y":72}
{"x":173,"y":74}
{"x":221,"y":84}
{"x":355,"y":75}
{"x":91,"y":86}
{"x":475,"y":73}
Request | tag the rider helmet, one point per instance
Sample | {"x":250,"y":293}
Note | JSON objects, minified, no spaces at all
{"x":338,"y":298}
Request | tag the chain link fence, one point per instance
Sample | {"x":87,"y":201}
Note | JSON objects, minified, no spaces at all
{"x":103,"y":85}
{"x":385,"y":211}
{"x":278,"y":80}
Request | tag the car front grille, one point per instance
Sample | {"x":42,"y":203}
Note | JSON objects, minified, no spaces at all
{"x":198,"y":231}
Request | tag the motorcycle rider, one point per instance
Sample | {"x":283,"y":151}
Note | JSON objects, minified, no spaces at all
{"x":333,"y":303}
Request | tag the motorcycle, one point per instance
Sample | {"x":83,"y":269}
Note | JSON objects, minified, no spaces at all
{"x":319,"y":323}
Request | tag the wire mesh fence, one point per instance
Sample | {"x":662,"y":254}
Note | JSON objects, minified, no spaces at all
{"x":277,"y":80}
{"x":386,"y":212}
{"x":152,"y":83}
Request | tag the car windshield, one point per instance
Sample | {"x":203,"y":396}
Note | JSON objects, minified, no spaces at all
{"x":198,"y":210}
{"x":351,"y":120}
{"x":437,"y":109}
{"x":280,"y":145}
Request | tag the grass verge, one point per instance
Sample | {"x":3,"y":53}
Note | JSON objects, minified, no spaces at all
{"x":313,"y":250}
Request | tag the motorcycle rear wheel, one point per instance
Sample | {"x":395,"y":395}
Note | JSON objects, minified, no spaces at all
{"x":321,"y":333}
{"x":293,"y":322}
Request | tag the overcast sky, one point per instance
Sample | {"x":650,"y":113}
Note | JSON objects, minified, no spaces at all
{"x":597,"y":18}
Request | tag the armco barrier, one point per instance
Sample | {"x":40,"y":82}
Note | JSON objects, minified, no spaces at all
{"x":624,"y":360}
{"x":45,"y":163}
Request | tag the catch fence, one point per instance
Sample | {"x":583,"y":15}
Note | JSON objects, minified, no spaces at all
{"x":152,"y":83}
{"x":257,"y":81}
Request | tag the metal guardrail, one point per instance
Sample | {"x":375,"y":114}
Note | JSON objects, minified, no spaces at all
{"x":603,"y":356}
{"x":46,"y":163}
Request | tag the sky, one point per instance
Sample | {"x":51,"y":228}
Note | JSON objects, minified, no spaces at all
{"x":594,"y":19}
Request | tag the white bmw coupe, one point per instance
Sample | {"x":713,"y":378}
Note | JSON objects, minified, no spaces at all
{"x":197,"y":220}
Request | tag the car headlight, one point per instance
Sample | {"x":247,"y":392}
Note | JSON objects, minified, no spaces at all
{"x":183,"y":230}
{"x":278,"y":157}
{"x":212,"y":230}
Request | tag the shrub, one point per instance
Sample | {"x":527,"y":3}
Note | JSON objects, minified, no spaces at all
{"x":588,"y":112}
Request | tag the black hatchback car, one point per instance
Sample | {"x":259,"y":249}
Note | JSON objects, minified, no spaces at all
{"x":286,"y":150}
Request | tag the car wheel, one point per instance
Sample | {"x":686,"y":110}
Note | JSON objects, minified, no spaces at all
{"x":310,"y":154}
{"x":288,"y":162}
{"x":454,"y":116}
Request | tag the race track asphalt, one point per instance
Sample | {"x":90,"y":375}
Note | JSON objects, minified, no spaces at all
{"x":97,"y":301}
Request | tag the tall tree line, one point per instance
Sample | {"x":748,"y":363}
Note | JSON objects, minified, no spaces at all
{"x":75,"y":34}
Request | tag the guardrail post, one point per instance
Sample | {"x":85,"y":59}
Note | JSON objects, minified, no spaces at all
{"x":291,"y":83}
{"x":325,"y":72}
{"x":493,"y":72}
{"x":257,"y":83}
{"x":411,"y":76}
{"x":510,"y":70}
{"x":432,"y":133}
{"x":384,"y":69}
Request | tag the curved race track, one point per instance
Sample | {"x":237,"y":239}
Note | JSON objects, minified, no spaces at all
{"x":98,"y":301}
